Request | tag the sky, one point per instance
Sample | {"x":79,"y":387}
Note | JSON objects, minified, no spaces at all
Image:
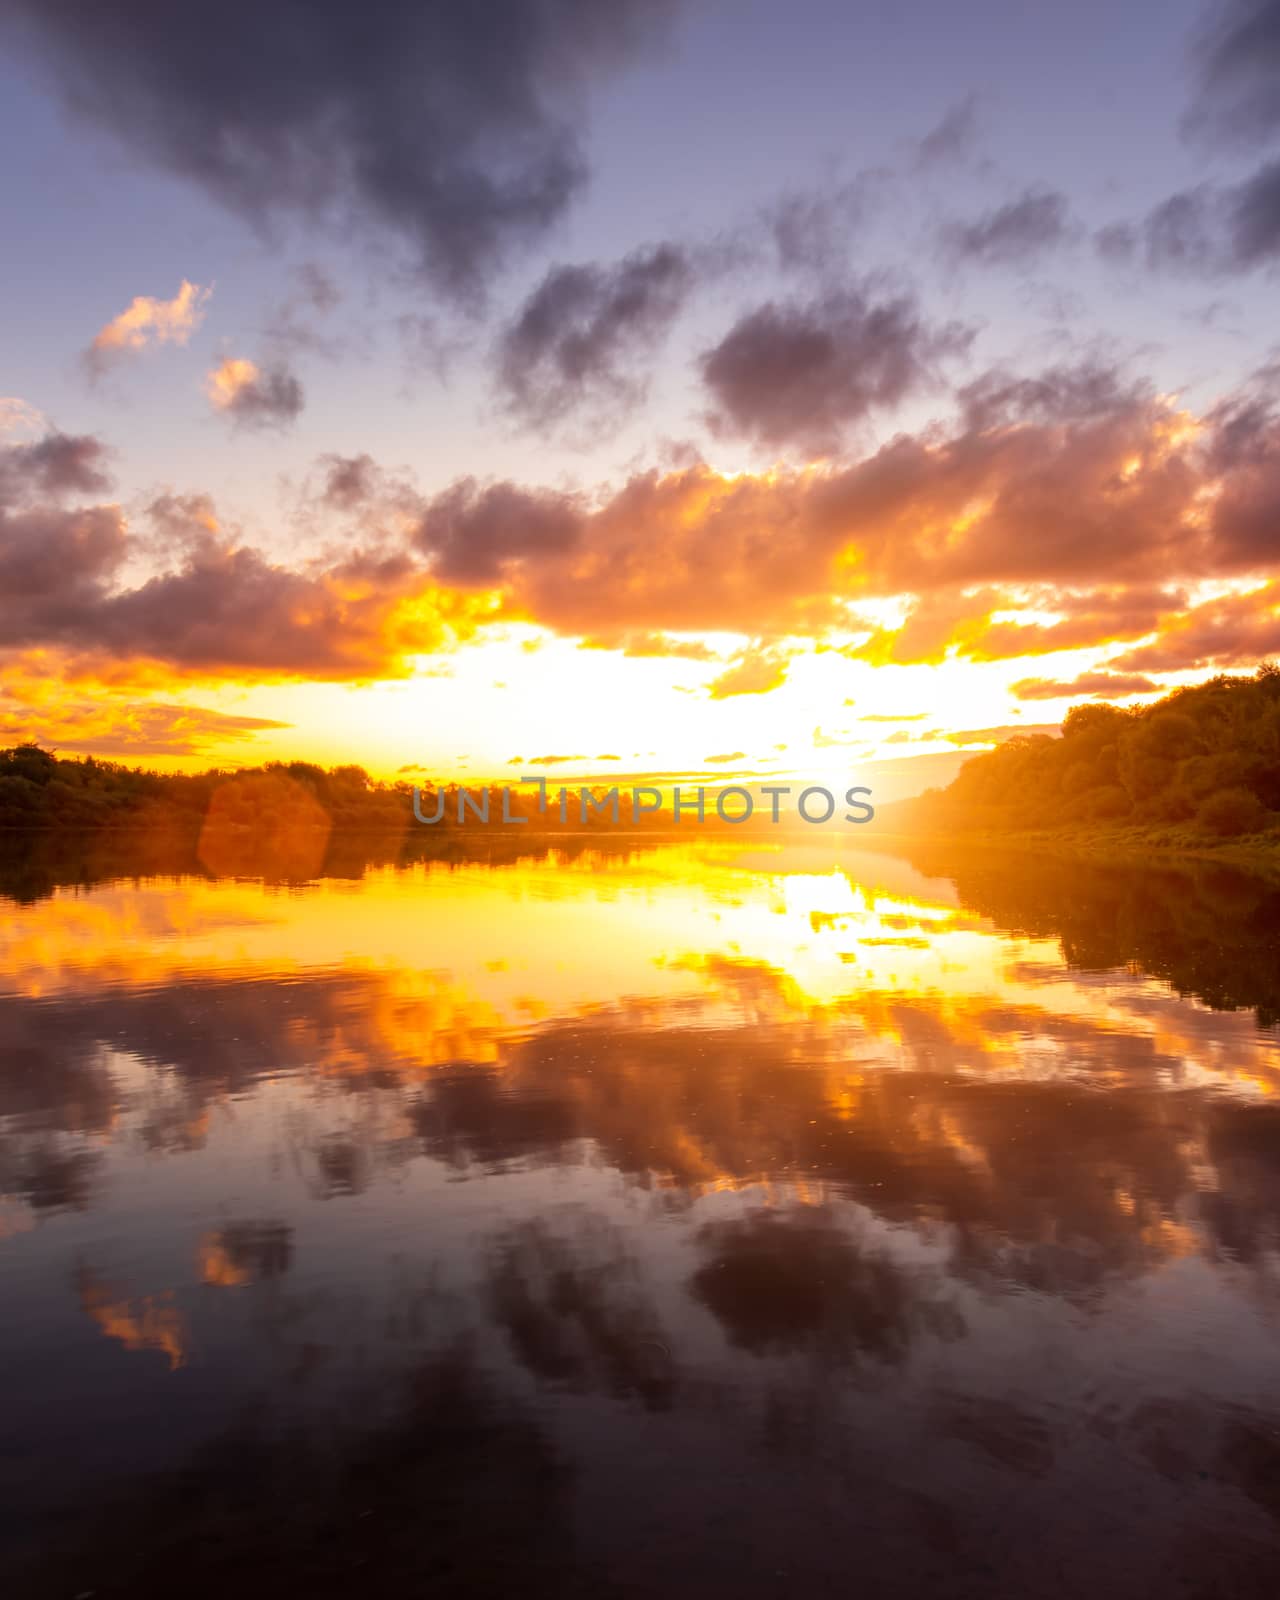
{"x":717,"y":386}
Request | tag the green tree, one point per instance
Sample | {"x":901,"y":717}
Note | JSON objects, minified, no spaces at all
{"x":1232,"y":812}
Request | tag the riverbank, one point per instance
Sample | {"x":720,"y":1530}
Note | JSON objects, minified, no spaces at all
{"x":1099,"y":842}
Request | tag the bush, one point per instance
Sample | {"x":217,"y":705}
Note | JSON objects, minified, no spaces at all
{"x":29,"y":762}
{"x":1109,"y":804}
{"x":1232,"y":812}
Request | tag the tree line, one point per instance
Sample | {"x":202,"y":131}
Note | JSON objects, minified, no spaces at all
{"x":1206,"y":758}
{"x":42,"y":791}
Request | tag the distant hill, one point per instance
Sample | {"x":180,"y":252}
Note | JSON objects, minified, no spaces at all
{"x":1204,"y":759}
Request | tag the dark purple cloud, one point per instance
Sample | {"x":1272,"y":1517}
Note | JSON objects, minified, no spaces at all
{"x":801,"y":374}
{"x":54,"y":564}
{"x":1238,"y":67}
{"x":1212,"y":231}
{"x":474,"y":532}
{"x":1065,"y":393}
{"x":218,"y":607}
{"x":55,"y":465}
{"x":450,"y":126}
{"x":1036,"y":498}
{"x":573,"y":345}
{"x":1072,"y":494}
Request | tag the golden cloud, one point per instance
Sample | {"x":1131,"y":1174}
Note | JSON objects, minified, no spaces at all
{"x":1032,"y":526}
{"x":145,"y":321}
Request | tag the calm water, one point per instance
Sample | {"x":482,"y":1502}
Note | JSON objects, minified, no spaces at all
{"x":691,"y":1220}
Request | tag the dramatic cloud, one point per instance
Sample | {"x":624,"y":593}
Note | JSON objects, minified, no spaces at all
{"x":1059,"y":394}
{"x":1208,"y":232}
{"x":573,"y":345}
{"x":1100,"y":685}
{"x":452,"y":127}
{"x":475,"y":533}
{"x":229,"y":610}
{"x":801,"y":374}
{"x":1016,"y":534}
{"x":56,"y":464}
{"x":1238,"y":57}
{"x":1243,"y":460}
{"x":1012,"y":235}
{"x":221,"y":609}
{"x":1237,"y":630}
{"x":254,"y":398}
{"x":148,"y":321}
{"x":54,"y":565}
{"x":1080,"y":620}
{"x":934,"y":623}
{"x":969,"y":623}
{"x":1031,"y":526}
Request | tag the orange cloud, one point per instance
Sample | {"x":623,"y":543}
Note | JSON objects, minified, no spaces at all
{"x":1234,"y":630}
{"x":1072,"y":486}
{"x":243,"y":391}
{"x":654,"y":644}
{"x":1004,"y":504}
{"x":1098,"y":685}
{"x":1031,"y":526}
{"x":754,"y":672}
{"x":1013,"y":730}
{"x":228,"y":379}
{"x":146,"y":321}
{"x":967,"y":624}
{"x":219,"y":609}
{"x":105,"y":726}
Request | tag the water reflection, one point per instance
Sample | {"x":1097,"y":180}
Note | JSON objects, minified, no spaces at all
{"x":793,"y":1279}
{"x":682,"y":1214}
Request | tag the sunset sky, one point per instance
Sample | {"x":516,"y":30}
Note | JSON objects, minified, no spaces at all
{"x":717,"y":386}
